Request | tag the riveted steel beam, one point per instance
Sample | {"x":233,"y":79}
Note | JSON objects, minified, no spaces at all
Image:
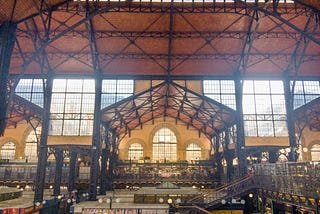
{"x":7,"y":40}
{"x":58,"y":153}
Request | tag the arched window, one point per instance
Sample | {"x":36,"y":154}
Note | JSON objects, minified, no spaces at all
{"x":8,"y":151}
{"x":164,"y":145}
{"x":193,"y":152}
{"x":315,"y":152}
{"x":135,"y":152}
{"x":31,"y":149}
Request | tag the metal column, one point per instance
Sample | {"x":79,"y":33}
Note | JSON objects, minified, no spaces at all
{"x":229,"y":155}
{"x":112,"y":153}
{"x":104,"y":160}
{"x":273,"y":157}
{"x":58,"y":153}
{"x":72,"y":170}
{"x":96,"y":142}
{"x":7,"y":40}
{"x":108,"y":177}
{"x":43,"y":148}
{"x":293,"y":155}
{"x":240,"y":146}
{"x":218,"y":158}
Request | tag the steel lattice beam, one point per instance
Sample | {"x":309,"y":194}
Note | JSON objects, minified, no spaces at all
{"x":185,"y":7}
{"x":278,"y":17}
{"x":100,"y":8}
{"x":175,"y":34}
{"x":43,"y":148}
{"x":7,"y":39}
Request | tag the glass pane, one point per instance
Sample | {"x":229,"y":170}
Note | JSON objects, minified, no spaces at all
{"x":109,"y":86}
{"x":55,"y":127}
{"x":193,"y":152}
{"x":31,"y":90}
{"x":8,"y":151}
{"x":57,"y":103}
{"x":227,"y":86}
{"x":276,"y":87}
{"x":305,"y":91}
{"x":311,"y":87}
{"x":164,"y":145}
{"x":26,"y":96}
{"x":86,"y":127}
{"x":74,"y":85}
{"x":37,"y":98}
{"x":278,"y":104}
{"x":261,"y":87}
{"x":88,"y":103}
{"x":211,"y":86}
{"x":115,"y":90}
{"x":280,"y":128}
{"x":248,"y":104}
{"x":75,"y":105}
{"x":250,"y":128}
{"x":248,"y":87}
{"x":299,"y":100}
{"x":38,"y":85}
{"x":59,"y":85}
{"x":298,"y":87}
{"x":215,"y":97}
{"x":315,"y":152}
{"x":263,"y":104}
{"x":71,"y":127}
{"x":269,"y":103}
{"x":265,"y":129}
{"x":222,"y":91}
{"x":89,"y":86}
{"x":24,"y":85}
{"x":73,"y":102}
{"x":135,"y":152}
{"x":30,"y":151}
{"x":124,"y":86}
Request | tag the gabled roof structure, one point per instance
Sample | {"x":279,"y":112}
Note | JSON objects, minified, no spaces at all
{"x":157,"y":38}
{"x":169,"y":99}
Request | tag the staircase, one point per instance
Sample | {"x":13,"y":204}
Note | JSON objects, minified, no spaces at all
{"x":192,"y":208}
{"x":212,"y":198}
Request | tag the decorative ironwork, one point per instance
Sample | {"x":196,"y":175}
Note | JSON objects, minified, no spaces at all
{"x":291,"y":183}
{"x":204,"y":114}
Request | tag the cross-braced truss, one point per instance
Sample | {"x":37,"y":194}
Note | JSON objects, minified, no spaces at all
{"x":169,"y":100}
{"x":21,"y":109}
{"x":180,"y":39}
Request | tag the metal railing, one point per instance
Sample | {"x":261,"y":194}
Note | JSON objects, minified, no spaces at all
{"x":234,"y":189}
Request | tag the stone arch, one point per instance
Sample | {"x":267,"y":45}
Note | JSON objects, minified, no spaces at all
{"x":132,"y":141}
{"x":175,"y":131}
{"x":196,"y":142}
{"x":8,"y":139}
{"x":313,"y":143}
{"x":12,"y":140}
{"x":165,"y":125}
